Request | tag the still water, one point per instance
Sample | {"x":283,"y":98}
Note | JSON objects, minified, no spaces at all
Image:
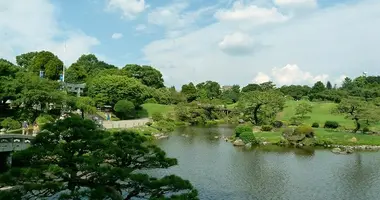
{"x":220,"y":171}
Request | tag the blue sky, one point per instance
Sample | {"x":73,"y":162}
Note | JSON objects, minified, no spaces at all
{"x":229,"y":41}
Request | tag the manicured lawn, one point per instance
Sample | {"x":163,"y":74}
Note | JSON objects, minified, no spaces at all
{"x":321,"y":113}
{"x":338,"y":138}
{"x":152,"y":108}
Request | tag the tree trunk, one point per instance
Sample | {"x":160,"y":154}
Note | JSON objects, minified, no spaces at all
{"x":357,"y":125}
{"x":82,"y":112}
{"x":255,"y":111}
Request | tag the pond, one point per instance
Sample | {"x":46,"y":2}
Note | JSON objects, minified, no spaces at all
{"x":221,"y":171}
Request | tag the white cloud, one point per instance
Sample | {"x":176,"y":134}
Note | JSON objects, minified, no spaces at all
{"x":292,"y":74}
{"x":116,"y":36}
{"x":343,"y":39}
{"x":250,"y":13}
{"x":261,"y":78}
{"x":237,"y":43}
{"x":175,"y":17}
{"x":296,"y":3}
{"x":31,"y":26}
{"x":129,"y":8}
{"x":140,"y":27}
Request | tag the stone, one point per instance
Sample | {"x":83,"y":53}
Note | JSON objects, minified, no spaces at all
{"x":353,"y":139}
{"x":238,"y":142}
{"x":349,"y":150}
{"x":336,"y":150}
{"x":248,"y":145}
{"x":2,"y":131}
{"x":216,"y":137}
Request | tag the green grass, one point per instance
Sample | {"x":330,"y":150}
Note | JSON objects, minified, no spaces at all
{"x":337,"y":138}
{"x":320,"y":114}
{"x":153,"y":108}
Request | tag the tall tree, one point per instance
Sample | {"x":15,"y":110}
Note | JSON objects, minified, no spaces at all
{"x":360,"y":111}
{"x":251,"y":87}
{"x":318,"y":87}
{"x":112,"y":88}
{"x":148,"y":75}
{"x":328,"y":85}
{"x":190,"y":91}
{"x":261,"y":107}
{"x":73,"y":159}
{"x":47,"y":62}
{"x":267,"y":86}
{"x":232,"y":94}
{"x":85,"y":105}
{"x":210,"y":89}
{"x":25,"y":60}
{"x":303,"y":108}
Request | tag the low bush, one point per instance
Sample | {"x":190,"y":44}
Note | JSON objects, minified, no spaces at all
{"x":366,"y":130}
{"x":304,"y":130}
{"x":211,"y":123}
{"x":331,"y":124}
{"x":248,"y":137}
{"x":44,"y":119}
{"x":157,"y":116}
{"x":266,"y":128}
{"x":295,"y":121}
{"x":315,"y":125}
{"x":288,"y":131}
{"x":241,"y":129}
{"x":9,"y":123}
{"x":164,"y":126}
{"x":150,"y":100}
{"x":277,"y":124}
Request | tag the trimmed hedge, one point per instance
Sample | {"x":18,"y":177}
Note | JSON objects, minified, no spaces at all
{"x":241,"y":129}
{"x":315,"y":125}
{"x":248,"y":137}
{"x":266,"y":128}
{"x":331,"y":124}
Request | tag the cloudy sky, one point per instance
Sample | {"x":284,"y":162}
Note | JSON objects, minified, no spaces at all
{"x":232,"y":42}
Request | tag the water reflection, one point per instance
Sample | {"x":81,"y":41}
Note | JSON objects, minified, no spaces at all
{"x":220,"y":171}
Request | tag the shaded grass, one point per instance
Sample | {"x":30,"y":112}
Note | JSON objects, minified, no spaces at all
{"x":333,"y":137}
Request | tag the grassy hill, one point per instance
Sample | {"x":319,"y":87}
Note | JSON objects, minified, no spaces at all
{"x":151,"y":108}
{"x":321,"y":113}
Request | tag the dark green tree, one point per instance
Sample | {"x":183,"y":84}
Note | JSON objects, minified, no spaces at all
{"x":47,"y":62}
{"x":73,"y":159}
{"x":25,"y":60}
{"x":209,"y":90}
{"x":148,"y":75}
{"x":124,"y":109}
{"x":190,"y":91}
{"x":251,"y":87}
{"x":328,"y":85}
{"x":232,"y":95}
{"x":318,"y":87}
{"x":261,"y":107}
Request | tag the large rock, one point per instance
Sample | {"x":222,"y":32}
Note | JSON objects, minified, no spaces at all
{"x":353,"y":139}
{"x":336,"y":150}
{"x":248,"y":145}
{"x":238,"y":142}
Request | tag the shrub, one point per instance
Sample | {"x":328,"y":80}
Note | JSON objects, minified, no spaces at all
{"x":157,"y":116}
{"x":366,"y":130}
{"x":315,"y":125}
{"x":304,"y":130}
{"x":241,"y":129}
{"x":288,"y":131}
{"x":295,"y":121}
{"x":164,"y":126}
{"x":211,"y":123}
{"x":248,"y":137}
{"x":151,"y":100}
{"x":266,"y":128}
{"x":331,"y":124}
{"x":277,"y":124}
{"x":10,"y":123}
{"x":44,"y":119}
{"x":148,"y":123}
{"x":124,"y":109}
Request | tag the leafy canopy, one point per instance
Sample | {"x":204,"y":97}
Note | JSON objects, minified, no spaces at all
{"x":72,"y":159}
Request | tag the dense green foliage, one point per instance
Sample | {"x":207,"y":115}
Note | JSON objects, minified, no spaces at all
{"x":10,"y":123}
{"x":124,"y":109}
{"x":248,"y":137}
{"x":242,"y":129}
{"x":73,"y":159}
{"x":331,"y":124}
